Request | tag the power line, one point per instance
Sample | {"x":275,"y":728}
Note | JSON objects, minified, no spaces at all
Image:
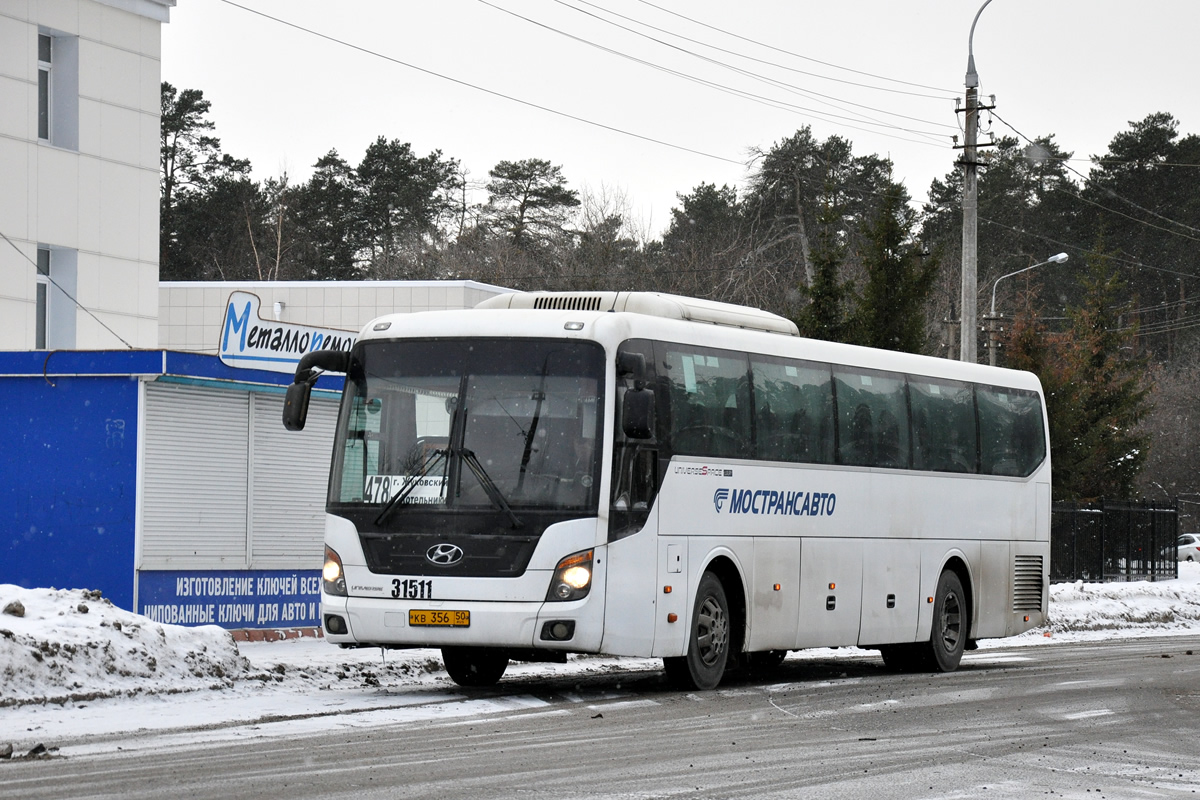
{"x":1086,"y":252}
{"x":478,"y":88}
{"x":1112,"y":194}
{"x":824,"y":115}
{"x":751,"y":58}
{"x":952,"y":93}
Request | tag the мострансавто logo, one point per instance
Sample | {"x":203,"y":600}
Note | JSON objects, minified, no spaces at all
{"x":769,"y":501}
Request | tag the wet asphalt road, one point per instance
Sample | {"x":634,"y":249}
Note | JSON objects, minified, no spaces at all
{"x":1116,"y":720}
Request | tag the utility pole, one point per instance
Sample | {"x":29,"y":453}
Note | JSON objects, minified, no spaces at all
{"x":970,"y":211}
{"x":968,"y":348}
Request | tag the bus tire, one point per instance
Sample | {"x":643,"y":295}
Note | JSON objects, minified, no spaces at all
{"x":708,"y":640}
{"x":474,"y":666}
{"x":948,"y":638}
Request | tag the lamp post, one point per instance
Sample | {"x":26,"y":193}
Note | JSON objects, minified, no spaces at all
{"x":994,"y":320}
{"x":968,"y":348}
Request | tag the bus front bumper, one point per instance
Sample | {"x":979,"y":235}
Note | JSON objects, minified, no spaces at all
{"x":390,"y":623}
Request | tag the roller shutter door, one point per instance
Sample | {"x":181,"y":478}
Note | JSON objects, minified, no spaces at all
{"x":288,"y":480}
{"x":226,"y":487}
{"x":194,"y":501}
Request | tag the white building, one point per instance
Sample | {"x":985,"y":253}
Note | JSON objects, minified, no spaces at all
{"x":79,"y":165}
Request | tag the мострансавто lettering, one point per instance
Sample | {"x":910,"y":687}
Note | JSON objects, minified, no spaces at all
{"x":770,"y":501}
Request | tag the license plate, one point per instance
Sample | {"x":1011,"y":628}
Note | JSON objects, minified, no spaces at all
{"x":426,"y":618}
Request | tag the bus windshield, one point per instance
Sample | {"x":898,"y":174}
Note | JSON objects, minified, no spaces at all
{"x":500,"y":425}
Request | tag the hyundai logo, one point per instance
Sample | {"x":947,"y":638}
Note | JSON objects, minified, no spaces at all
{"x":444,"y":555}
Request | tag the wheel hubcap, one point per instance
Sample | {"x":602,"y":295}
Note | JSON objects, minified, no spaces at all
{"x":951,"y":622}
{"x":712,"y":631}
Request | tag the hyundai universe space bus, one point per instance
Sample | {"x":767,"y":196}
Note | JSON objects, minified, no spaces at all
{"x":649,"y":475}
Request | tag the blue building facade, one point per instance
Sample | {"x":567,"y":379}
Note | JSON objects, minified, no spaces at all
{"x":73,"y":488}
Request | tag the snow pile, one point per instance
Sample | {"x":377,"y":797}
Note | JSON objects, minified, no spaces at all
{"x":70,"y":645}
{"x":1158,"y":607}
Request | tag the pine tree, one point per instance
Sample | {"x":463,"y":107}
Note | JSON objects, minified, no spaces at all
{"x":1105,"y":450}
{"x":1095,"y":390}
{"x":826,"y":316}
{"x":891,"y":309}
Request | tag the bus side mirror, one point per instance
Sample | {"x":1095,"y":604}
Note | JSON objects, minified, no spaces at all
{"x":295,"y":406}
{"x":631,"y":365}
{"x":637,"y":414}
{"x":295,"y":403}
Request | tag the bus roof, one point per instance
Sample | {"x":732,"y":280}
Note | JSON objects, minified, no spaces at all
{"x":605,"y":315}
{"x":655,"y":304}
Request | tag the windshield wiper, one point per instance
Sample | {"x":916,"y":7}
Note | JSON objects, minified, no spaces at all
{"x":493,"y":492}
{"x":410,"y":483}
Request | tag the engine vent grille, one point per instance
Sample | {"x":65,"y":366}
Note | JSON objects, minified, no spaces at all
{"x":568,"y":303}
{"x":1027,"y":583}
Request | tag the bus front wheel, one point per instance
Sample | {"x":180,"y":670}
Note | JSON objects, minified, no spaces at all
{"x":474,"y":666}
{"x":708,"y":640}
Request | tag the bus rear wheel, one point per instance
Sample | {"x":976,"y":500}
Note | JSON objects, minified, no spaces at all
{"x":474,"y":666}
{"x":947,"y":639}
{"x":708,"y":640}
{"x":949,"y":636}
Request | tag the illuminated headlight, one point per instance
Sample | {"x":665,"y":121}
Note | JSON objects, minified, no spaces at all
{"x":333,"y":579}
{"x":572,"y":577}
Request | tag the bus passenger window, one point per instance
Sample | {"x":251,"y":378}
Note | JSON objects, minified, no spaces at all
{"x":1012,"y":437}
{"x":943,"y":425}
{"x":793,"y":411}
{"x":872,"y":419}
{"x":709,"y":402}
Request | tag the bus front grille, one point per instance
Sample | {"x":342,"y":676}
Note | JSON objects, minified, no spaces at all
{"x":1027,"y":583}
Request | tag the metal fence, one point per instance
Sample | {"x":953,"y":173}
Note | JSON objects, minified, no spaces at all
{"x":1113,"y":541}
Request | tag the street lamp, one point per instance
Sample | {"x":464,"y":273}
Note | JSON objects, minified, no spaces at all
{"x":1055,"y":259}
{"x":993,"y":320}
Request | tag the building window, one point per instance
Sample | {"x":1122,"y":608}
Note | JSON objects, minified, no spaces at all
{"x":58,"y":89}
{"x":45,"y":45}
{"x":41,"y":334}
{"x":54,"y":316}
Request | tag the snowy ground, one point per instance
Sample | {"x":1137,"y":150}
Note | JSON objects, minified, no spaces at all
{"x":74,"y":667}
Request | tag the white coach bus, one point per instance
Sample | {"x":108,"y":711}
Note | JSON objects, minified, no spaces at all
{"x":649,"y":475}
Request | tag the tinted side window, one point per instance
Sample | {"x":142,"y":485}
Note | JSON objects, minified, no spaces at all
{"x":635,"y":461}
{"x":943,"y":425}
{"x":709,"y":401}
{"x":793,"y":411}
{"x":872,"y":410}
{"x":1011,"y":431}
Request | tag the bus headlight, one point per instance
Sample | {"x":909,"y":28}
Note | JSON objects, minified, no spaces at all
{"x":333,"y":578}
{"x":572,"y":577}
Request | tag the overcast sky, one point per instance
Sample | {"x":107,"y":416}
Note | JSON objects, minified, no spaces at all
{"x":650,"y":98}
